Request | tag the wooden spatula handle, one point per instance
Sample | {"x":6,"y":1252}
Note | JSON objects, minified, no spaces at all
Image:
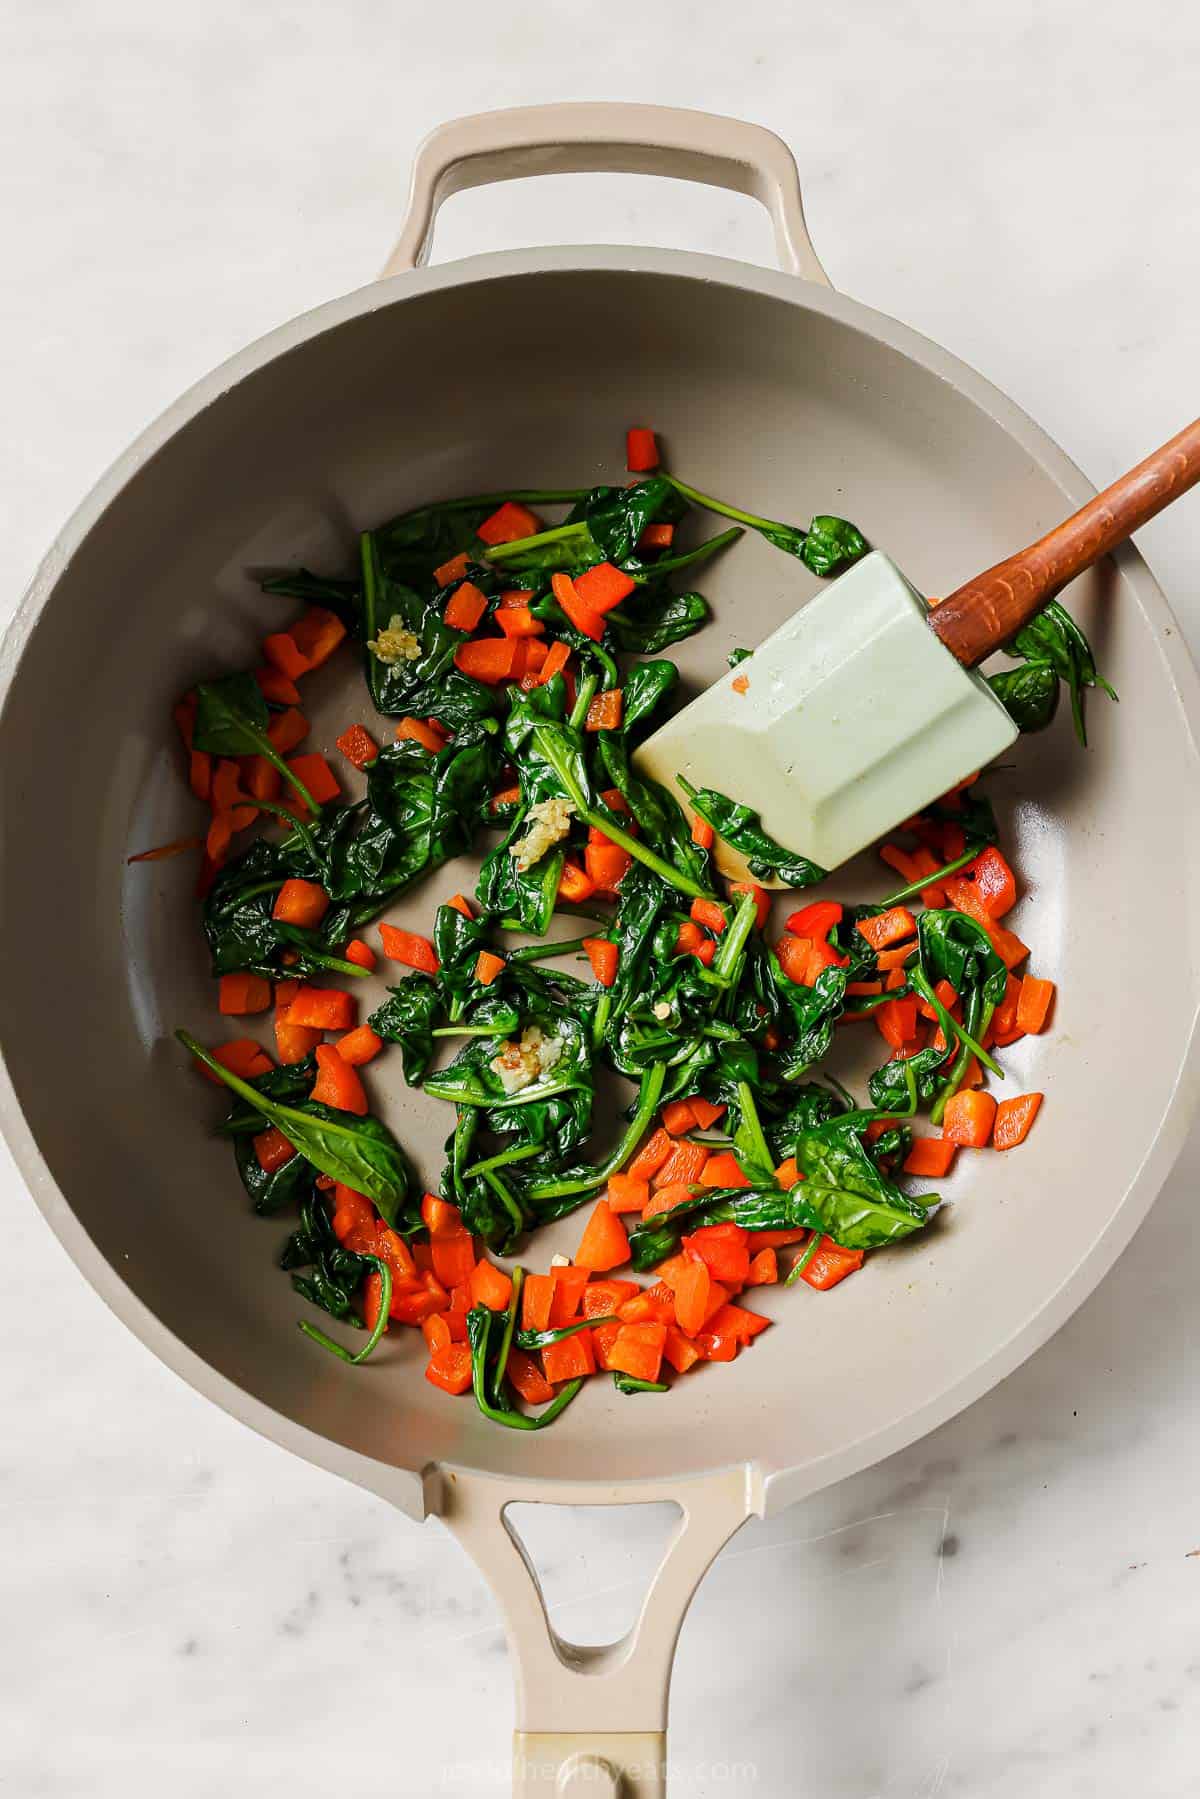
{"x":978,"y":618}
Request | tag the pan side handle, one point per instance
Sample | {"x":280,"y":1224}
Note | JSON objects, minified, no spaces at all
{"x":622,"y":138}
{"x":591,"y":1722}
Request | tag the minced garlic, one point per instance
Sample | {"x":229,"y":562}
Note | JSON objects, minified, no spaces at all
{"x":546,"y":824}
{"x":397,"y":643}
{"x":518,"y":1065}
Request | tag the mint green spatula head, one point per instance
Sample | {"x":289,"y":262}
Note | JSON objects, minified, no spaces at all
{"x":847,"y":720}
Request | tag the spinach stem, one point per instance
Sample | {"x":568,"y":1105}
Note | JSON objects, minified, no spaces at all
{"x":468,"y":1030}
{"x":272,"y":755}
{"x":298,"y":826}
{"x":669,"y":565}
{"x":951,"y":1027}
{"x":510,"y":1325}
{"x":979,"y":1016}
{"x":524,"y":496}
{"x":530,"y":1340}
{"x":725,"y":510}
{"x":801,"y":1263}
{"x":651,"y":1087}
{"x":336,"y":964}
{"x":512,"y":1420}
{"x":750,"y":1129}
{"x":385,"y":1299}
{"x":603,"y":822}
{"x":505,"y":1158}
{"x":504,"y":552}
{"x":735,"y":938}
{"x":915,"y":888}
{"x":506,"y":1199}
{"x":583,"y":700}
{"x":515,"y":924}
{"x":539,"y":952}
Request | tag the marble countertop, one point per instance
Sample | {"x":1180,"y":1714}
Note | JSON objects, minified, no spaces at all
{"x":1008,"y":1606}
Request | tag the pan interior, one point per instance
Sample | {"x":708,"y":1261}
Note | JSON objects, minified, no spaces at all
{"x":516,"y":379}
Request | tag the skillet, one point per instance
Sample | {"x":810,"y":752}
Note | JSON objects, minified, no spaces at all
{"x":766,"y":384}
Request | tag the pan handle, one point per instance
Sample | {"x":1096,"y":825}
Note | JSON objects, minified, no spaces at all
{"x":588,"y":137}
{"x":591,"y":1722}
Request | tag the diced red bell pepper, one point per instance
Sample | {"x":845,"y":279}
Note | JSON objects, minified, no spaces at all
{"x":641,"y":450}
{"x":570,"y":1358}
{"x":317,"y":635}
{"x":638,"y":1349}
{"x":604,"y":1243}
{"x":603,"y":957}
{"x":816,"y":920}
{"x":508,"y":524}
{"x":450,"y":1368}
{"x":831,"y":1264}
{"x":603,"y":586}
{"x":337,"y":1084}
{"x":410,"y":948}
{"x":569,"y":1283}
{"x":358,"y":746}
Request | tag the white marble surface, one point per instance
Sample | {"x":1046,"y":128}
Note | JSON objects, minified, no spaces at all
{"x":1008,"y":1607}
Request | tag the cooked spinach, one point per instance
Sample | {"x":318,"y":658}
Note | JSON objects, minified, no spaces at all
{"x":829,"y":545}
{"x":532,"y":1050}
{"x":336,"y":1273}
{"x":359,"y":1152}
{"x":1029,"y":694}
{"x":232,"y":719}
{"x":741,"y":829}
{"x":407,"y":1018}
{"x":484,"y":1357}
{"x":1051,"y":643}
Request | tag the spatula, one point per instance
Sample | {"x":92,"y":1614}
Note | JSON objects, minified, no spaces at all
{"x":865,"y":705}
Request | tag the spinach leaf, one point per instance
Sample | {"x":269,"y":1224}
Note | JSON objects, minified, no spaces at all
{"x":390,"y":605}
{"x":831,"y":544}
{"x":554,"y":1195}
{"x":535,"y":729}
{"x":652,"y":619}
{"x":643,"y":897}
{"x":1029,"y":694}
{"x":755,"y":1208}
{"x":888,"y":1085}
{"x":274,"y":1191}
{"x":828,"y":546}
{"x":337,"y":1273}
{"x":603,"y":526}
{"x":808,"y":1107}
{"x":955,"y":948}
{"x":407,"y":1018}
{"x":470,"y":1080}
{"x":344,"y":598}
{"x":814,"y":1012}
{"x":232,"y":719}
{"x":290,"y":1081}
{"x":740,"y":827}
{"x":359,"y":1152}
{"x":414,"y":543}
{"x":1052,"y":636}
{"x":420,"y":811}
{"x":858,"y":1207}
{"x":617,"y":516}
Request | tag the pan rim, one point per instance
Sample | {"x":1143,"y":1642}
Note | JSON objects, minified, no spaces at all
{"x":415,"y":1490}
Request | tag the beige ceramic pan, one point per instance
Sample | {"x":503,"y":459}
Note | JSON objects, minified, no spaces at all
{"x":521,"y":369}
